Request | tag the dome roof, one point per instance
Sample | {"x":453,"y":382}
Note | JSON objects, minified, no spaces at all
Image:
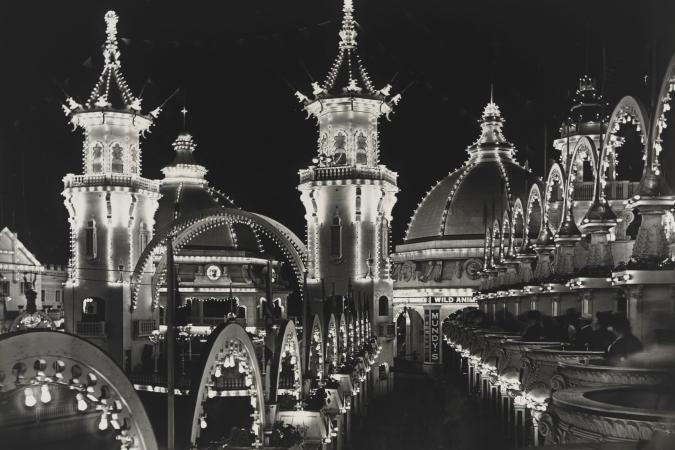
{"x":185,"y":191}
{"x":458,"y":205}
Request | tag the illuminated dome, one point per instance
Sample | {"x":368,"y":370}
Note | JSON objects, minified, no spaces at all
{"x":586,"y":110}
{"x":458,"y":206}
{"x":185,"y":191}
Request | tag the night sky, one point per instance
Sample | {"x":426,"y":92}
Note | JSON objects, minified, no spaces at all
{"x":237,"y":65}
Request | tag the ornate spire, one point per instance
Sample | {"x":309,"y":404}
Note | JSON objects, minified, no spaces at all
{"x":491,"y":136}
{"x":184,"y":167}
{"x":347,"y":75}
{"x":111,"y":86}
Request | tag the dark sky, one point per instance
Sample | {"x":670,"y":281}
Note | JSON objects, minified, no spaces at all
{"x":235,"y":63}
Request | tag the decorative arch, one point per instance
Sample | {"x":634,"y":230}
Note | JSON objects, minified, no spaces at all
{"x":186,"y":228}
{"x":316,"y":349}
{"x":343,"y":338}
{"x":286,"y":355}
{"x":584,"y":150}
{"x":517,"y":226}
{"x":628,"y":110}
{"x":555,"y":177}
{"x":496,"y":241}
{"x":507,"y":237}
{"x":28,"y":321}
{"x":42,"y":360}
{"x":534,"y":218}
{"x":662,"y":107}
{"x":331,"y":351}
{"x":228,"y":346}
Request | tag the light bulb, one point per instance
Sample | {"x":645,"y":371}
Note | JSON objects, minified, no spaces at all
{"x":45,"y":395}
{"x":241,"y":368}
{"x":81,"y":404}
{"x":30,"y":400}
{"x":218,"y":373}
{"x":103,"y":423}
{"x":248,"y":380}
{"x":293,"y":360}
{"x":254,"y":403}
{"x":202,"y":423}
{"x":211,"y":393}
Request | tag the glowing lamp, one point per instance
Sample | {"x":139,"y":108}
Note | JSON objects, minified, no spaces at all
{"x":30,"y":399}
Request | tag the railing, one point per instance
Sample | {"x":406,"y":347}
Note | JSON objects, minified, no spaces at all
{"x":614,"y":190}
{"x":347,"y":173}
{"x":91,"y":329}
{"x":213,"y":321}
{"x":287,"y":381}
{"x":111,"y":179}
{"x":230,"y":384}
{"x":386,"y":330}
{"x":143,"y":328}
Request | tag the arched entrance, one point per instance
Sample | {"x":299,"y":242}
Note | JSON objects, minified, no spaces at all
{"x":186,"y":228}
{"x":409,"y":334}
{"x":87,"y":398}
{"x":286,"y":376}
{"x":315,"y":365}
{"x":230,"y":372}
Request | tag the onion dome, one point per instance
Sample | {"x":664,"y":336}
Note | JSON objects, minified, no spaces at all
{"x":491,"y":179}
{"x":586,"y":113}
{"x":185,"y":191}
{"x":111,"y":92}
{"x":348,"y":76}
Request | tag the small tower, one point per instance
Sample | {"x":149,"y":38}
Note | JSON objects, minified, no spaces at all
{"x":586,"y":118}
{"x":111,"y":209}
{"x":348,"y":195}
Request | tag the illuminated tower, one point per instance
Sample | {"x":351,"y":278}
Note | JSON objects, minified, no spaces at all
{"x":111,"y":210}
{"x":348,"y":195}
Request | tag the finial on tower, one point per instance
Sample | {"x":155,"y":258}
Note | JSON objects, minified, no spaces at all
{"x":111,"y":53}
{"x":492,"y":88}
{"x":348,"y":31}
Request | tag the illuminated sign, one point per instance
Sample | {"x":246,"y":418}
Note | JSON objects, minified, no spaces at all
{"x":432,"y":336}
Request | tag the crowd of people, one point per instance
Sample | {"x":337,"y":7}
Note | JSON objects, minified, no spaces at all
{"x":608,"y":331}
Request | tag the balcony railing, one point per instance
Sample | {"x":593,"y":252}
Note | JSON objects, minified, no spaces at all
{"x":287,"y":381}
{"x":347,"y":173}
{"x":614,"y":190}
{"x":111,"y":179}
{"x":143,"y":328}
{"x":91,"y":329}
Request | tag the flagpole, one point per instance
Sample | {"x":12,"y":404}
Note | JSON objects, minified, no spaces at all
{"x":170,"y":344}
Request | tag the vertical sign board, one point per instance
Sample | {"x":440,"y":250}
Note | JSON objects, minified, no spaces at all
{"x":435,"y":332}
{"x":427,"y":336}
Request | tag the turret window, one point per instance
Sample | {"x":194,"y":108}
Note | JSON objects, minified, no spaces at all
{"x":340,"y":156}
{"x":97,"y":158}
{"x":90,"y":239}
{"x":361,"y":149}
{"x":117,"y":163}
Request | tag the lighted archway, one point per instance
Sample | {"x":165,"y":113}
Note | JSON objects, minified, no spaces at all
{"x":41,"y":362}
{"x":629,"y":110}
{"x":331,"y":345}
{"x":186,"y":228}
{"x":228,"y":346}
{"x":286,"y":355}
{"x":507,"y":237}
{"x":662,"y":107}
{"x":518,"y":236}
{"x":316,"y":349}
{"x":555,"y":192}
{"x":534,"y":216}
{"x":342,"y":339}
{"x":584,"y":150}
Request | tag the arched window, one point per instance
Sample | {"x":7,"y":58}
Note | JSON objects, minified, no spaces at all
{"x":117,"y":159}
{"x":90,"y":246}
{"x":336,"y":237}
{"x":93,"y":309}
{"x":241,"y":312}
{"x":340,"y":157}
{"x":383,"y":307}
{"x":361,"y":149}
{"x":97,"y":158}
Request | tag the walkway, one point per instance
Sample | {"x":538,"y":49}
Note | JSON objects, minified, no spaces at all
{"x":425,"y":414}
